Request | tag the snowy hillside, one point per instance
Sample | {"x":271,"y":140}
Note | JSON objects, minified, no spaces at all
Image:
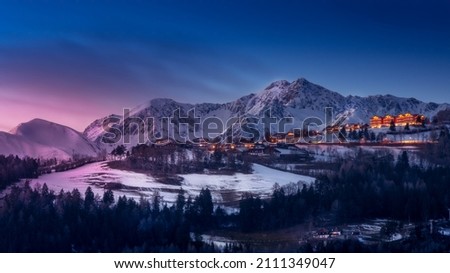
{"x":298,"y":99}
{"x":225,"y":189}
{"x":20,"y":146}
{"x":93,"y":132}
{"x":43,"y":139}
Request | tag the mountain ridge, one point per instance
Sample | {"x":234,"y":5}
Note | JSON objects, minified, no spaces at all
{"x":40,"y":138}
{"x":298,"y":99}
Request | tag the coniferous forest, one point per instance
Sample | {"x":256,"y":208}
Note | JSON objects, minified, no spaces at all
{"x":377,"y":185}
{"x":13,"y":168}
{"x":38,"y":220}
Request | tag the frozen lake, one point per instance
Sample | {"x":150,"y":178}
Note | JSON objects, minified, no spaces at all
{"x":225,"y":189}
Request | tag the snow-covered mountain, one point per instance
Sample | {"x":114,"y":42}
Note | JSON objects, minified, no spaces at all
{"x":20,"y":146}
{"x":43,"y":139}
{"x":298,"y":99}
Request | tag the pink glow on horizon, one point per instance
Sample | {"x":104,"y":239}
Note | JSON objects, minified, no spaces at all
{"x":67,"y":109}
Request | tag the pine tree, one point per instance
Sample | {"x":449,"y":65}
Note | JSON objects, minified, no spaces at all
{"x":108,"y":197}
{"x":343,"y":134}
{"x":181,"y":201}
{"x":89,"y":198}
{"x":392,"y":126}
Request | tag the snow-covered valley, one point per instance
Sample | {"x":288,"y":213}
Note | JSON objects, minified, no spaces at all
{"x":225,"y":189}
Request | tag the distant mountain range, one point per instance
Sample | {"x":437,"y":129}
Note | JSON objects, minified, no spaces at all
{"x":43,"y":139}
{"x":298,"y":99}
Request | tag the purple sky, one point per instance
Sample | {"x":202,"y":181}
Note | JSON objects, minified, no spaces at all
{"x":73,"y":62}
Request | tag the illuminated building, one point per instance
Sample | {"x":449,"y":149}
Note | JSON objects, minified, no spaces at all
{"x":399,"y":120}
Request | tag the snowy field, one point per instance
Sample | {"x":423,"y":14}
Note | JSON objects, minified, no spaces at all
{"x":226,"y":189}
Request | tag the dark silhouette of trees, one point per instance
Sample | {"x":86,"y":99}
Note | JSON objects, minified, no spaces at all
{"x":392,"y":126}
{"x":169,"y":160}
{"x":439,"y":153}
{"x":13,"y":168}
{"x":120,"y":150}
{"x":39,"y":220}
{"x":108,"y":198}
{"x":442,"y":117}
{"x":343,"y":134}
{"x":205,"y":206}
{"x":373,"y":186}
{"x":250,"y":213}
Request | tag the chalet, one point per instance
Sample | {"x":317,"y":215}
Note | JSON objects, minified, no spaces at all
{"x":403,"y":119}
{"x":387,"y":120}
{"x":279,"y":137}
{"x":292,"y":137}
{"x":256,"y":150}
{"x":376,"y":122}
{"x":411,"y":119}
{"x":355,"y":126}
{"x":261,"y":150}
{"x":352,"y":126}
{"x":399,"y":120}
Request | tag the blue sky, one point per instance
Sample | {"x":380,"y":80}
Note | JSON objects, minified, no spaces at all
{"x":74,"y":61}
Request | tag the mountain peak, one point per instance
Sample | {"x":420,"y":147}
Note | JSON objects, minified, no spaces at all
{"x":39,"y":120}
{"x":278,"y":85}
{"x":303,"y":83}
{"x":42,"y":122}
{"x":36,"y":123}
{"x":149,"y":103}
{"x":302,"y":80}
{"x":42,"y":138}
{"x":16,"y":130}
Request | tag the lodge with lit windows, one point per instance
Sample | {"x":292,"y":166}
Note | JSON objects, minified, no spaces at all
{"x":399,"y":120}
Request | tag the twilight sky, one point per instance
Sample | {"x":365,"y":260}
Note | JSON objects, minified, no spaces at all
{"x":75,"y":61}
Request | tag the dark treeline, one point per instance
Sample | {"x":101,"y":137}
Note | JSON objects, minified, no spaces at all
{"x":372,"y":186}
{"x":13,"y":168}
{"x":439,"y":153}
{"x":167,"y":160}
{"x":38,"y":220}
{"x":377,"y":187}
